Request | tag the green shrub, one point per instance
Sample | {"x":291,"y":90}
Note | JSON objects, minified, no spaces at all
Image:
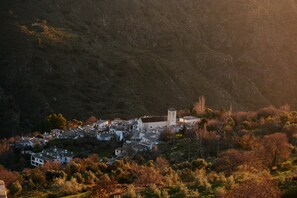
{"x":288,"y":165}
{"x":52,"y":174}
{"x":16,"y":188}
{"x":199,"y":164}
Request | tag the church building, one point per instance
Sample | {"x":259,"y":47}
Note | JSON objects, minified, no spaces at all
{"x":154,"y":122}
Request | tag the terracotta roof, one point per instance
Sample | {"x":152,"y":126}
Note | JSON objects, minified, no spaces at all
{"x":154,"y":119}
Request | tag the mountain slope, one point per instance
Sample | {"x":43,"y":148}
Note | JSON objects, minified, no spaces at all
{"x":132,"y":57}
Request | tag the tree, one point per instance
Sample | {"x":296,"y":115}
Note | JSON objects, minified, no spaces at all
{"x":130,"y":192}
{"x":253,"y":188}
{"x":63,"y":186}
{"x":268,"y":111}
{"x":104,"y":187}
{"x":38,"y":178}
{"x":90,"y":177}
{"x":231,"y":159}
{"x":72,"y":124}
{"x":199,"y":107}
{"x":73,"y":167}
{"x":166,"y":135}
{"x":162,"y":165}
{"x":79,"y":178}
{"x":248,"y":142}
{"x":53,"y":121}
{"x":52,"y":174}
{"x":252,"y":183}
{"x":57,"y":121}
{"x":16,"y":189}
{"x":291,"y":131}
{"x":8,"y":177}
{"x":91,"y":120}
{"x":275,"y":148}
{"x":200,"y":134}
{"x":4,"y":145}
{"x":183,"y":112}
{"x":145,"y":175}
{"x":199,"y":164}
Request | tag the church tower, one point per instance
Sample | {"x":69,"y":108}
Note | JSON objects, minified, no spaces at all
{"x":171,"y":117}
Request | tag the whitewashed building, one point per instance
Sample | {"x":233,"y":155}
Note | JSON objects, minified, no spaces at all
{"x":100,"y":124}
{"x":189,"y":120}
{"x":105,"y":136}
{"x":154,"y":122}
{"x":119,"y":151}
{"x":51,"y":155}
{"x":25,"y":142}
{"x":141,"y":147}
{"x":119,"y":135}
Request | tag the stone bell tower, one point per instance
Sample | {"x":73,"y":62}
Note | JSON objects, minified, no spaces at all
{"x":171,"y":117}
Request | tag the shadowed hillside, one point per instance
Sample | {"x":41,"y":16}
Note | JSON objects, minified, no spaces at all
{"x":133,"y":57}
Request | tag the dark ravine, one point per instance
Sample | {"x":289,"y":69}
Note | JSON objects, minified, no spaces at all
{"x":132,"y":57}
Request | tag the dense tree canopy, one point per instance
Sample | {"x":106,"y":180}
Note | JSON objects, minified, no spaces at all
{"x":53,"y":121}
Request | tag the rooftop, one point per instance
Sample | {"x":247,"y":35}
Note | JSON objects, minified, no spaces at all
{"x":139,"y":147}
{"x":98,"y":122}
{"x":189,"y":117}
{"x":154,"y":119}
{"x":53,"y":153}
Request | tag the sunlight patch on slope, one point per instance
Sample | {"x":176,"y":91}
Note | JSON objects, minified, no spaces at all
{"x":42,"y":31}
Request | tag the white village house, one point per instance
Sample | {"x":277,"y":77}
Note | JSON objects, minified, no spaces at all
{"x":189,"y":120}
{"x":118,"y":133}
{"x":141,"y":147}
{"x":146,"y":123}
{"x":51,"y":155}
{"x":100,"y":124}
{"x":119,"y":151}
{"x":108,"y":136}
{"x":25,"y":142}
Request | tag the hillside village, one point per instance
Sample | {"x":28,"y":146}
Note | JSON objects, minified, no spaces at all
{"x":135,"y":135}
{"x":129,"y":62}
{"x":196,"y":153}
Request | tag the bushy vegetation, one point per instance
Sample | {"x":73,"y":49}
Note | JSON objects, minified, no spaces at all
{"x":243,"y":154}
{"x":53,"y":121}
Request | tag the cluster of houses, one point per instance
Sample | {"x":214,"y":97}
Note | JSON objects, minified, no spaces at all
{"x":146,"y":133}
{"x":26,"y":144}
{"x":51,"y":155}
{"x":136,"y":135}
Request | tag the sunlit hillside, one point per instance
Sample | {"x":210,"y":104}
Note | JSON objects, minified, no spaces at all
{"x":134,"y":57}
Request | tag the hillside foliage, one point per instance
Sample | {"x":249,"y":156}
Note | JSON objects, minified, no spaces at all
{"x":241,"y":154}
